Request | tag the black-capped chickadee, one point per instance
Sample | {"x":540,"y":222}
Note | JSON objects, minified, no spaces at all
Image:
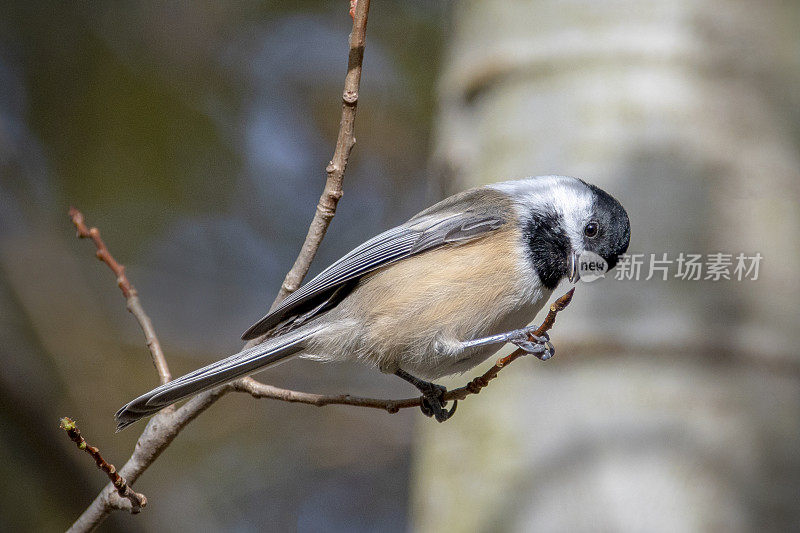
{"x":434,"y":296}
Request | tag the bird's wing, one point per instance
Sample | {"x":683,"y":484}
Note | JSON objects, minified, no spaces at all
{"x":335,"y":282}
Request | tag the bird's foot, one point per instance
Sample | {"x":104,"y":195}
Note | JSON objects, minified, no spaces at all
{"x":433,"y":403}
{"x":540,"y":346}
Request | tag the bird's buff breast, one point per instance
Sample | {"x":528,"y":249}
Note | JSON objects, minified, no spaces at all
{"x":413,"y":314}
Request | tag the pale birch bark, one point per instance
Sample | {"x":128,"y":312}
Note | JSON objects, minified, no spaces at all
{"x":673,"y":405}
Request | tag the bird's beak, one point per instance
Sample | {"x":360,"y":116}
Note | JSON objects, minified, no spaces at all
{"x":572,"y":269}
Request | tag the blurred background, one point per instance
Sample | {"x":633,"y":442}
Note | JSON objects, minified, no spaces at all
{"x":195,"y":136}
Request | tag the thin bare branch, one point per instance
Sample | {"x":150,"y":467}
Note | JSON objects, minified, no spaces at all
{"x":326,"y":208}
{"x":128,"y":291}
{"x":137,"y":501}
{"x":159,"y":433}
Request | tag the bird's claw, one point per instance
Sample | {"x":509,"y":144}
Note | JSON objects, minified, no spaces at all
{"x":540,"y":346}
{"x":433,"y":404}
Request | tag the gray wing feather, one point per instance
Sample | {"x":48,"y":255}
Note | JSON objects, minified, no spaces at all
{"x":418,"y":235}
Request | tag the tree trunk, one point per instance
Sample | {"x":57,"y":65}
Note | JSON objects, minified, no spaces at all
{"x":670,"y":405}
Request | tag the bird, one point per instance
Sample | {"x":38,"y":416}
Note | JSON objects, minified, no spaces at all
{"x":434,"y":296}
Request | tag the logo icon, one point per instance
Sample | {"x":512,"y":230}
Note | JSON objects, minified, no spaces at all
{"x":591,"y":266}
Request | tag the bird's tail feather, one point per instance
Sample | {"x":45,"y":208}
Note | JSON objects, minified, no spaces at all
{"x":238,"y":365}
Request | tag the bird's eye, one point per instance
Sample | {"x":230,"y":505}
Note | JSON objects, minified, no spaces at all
{"x":591,"y":229}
